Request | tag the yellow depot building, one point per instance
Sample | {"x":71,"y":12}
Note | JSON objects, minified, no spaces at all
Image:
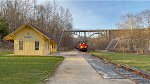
{"x":31,"y":41}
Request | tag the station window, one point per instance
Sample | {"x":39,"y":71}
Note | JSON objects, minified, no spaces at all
{"x":36,"y":45}
{"x":52,"y":46}
{"x":20,"y":45}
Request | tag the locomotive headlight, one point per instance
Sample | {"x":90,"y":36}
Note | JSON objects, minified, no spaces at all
{"x":81,"y":46}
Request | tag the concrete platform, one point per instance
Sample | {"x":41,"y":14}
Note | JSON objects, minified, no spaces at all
{"x":76,"y":70}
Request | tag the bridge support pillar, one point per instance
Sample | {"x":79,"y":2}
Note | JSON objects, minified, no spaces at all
{"x":84,"y":40}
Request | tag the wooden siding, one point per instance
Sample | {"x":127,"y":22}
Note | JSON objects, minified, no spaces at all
{"x":53,"y":47}
{"x":29,"y":35}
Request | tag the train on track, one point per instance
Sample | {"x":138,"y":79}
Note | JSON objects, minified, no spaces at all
{"x":83,"y":47}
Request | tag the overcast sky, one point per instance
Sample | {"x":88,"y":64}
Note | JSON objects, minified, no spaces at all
{"x":101,"y":14}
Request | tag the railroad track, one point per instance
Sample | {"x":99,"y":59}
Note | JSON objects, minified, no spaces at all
{"x":135,"y":75}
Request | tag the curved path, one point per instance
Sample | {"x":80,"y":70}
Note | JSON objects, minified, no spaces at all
{"x":76,"y":70}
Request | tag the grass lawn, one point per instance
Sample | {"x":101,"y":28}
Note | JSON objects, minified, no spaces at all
{"x":27,"y":69}
{"x":4,"y":53}
{"x":134,"y":60}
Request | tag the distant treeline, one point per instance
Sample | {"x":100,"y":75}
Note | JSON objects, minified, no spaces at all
{"x":136,"y":32}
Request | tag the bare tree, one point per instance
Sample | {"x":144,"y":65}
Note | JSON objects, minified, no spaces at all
{"x":49,"y":17}
{"x":145,"y":16}
{"x":131,"y":25}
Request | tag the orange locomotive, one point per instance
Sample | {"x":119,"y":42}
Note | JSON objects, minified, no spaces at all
{"x":83,"y":47}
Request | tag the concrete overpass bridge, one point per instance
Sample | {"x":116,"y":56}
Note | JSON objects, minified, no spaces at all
{"x":108,"y":34}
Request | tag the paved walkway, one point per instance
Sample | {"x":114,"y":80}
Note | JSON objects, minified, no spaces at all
{"x":76,"y":70}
